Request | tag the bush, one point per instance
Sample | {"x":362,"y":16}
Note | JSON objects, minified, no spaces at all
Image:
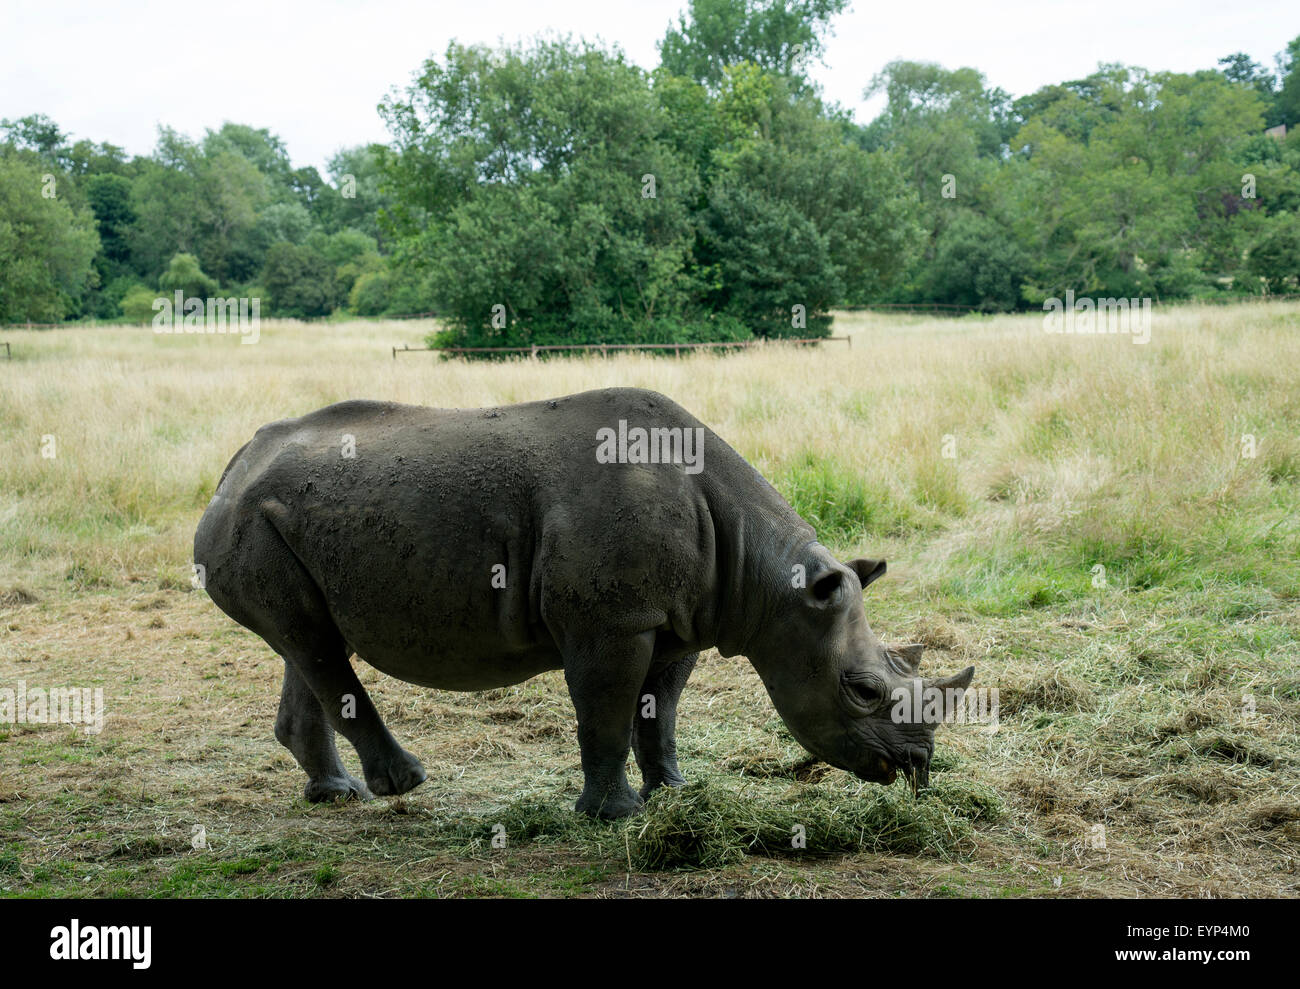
{"x":137,"y":304}
{"x":701,"y":329}
{"x":299,"y":281}
{"x":1276,"y":258}
{"x":183,"y":273}
{"x":976,"y":264}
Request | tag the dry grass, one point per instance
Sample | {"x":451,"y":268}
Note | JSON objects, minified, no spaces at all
{"x":1162,"y":706}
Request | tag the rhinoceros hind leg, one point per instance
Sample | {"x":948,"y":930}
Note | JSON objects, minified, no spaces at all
{"x":388,"y":768}
{"x":654,"y":738}
{"x":286,"y":608}
{"x":301,"y":727}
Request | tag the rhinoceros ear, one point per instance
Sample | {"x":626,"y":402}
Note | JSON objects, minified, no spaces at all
{"x":868,"y":570}
{"x":910,"y":655}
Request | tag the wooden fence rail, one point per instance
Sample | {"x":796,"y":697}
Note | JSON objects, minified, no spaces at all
{"x":604,"y":348}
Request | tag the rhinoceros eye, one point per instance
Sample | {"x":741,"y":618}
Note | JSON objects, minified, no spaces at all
{"x":865,"y":689}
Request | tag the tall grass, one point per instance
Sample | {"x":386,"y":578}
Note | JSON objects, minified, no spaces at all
{"x":1003,"y":462}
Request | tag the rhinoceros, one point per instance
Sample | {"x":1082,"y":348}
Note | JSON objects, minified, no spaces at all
{"x":608,"y":534}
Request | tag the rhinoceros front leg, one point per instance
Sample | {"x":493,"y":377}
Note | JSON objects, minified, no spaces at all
{"x":302,"y":728}
{"x":654,"y":729}
{"x":603,"y":683}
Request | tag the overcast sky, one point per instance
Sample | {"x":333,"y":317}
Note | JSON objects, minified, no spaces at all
{"x":313,"y":72}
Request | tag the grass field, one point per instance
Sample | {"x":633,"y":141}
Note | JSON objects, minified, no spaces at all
{"x":1109,"y":532}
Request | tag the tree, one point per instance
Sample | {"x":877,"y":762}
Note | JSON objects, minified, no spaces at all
{"x":948,"y":131}
{"x":35,"y":132}
{"x":109,"y":196}
{"x":796,"y":214}
{"x":779,"y":36}
{"x":350,"y":252}
{"x":554,"y":193}
{"x":536,"y":187}
{"x":137,"y":303}
{"x":1241,"y":69}
{"x":46,"y":247}
{"x":356,"y":198}
{"x":232,"y":191}
{"x":1123,"y":203}
{"x":976,"y":264}
{"x":1288,"y":97}
{"x":260,"y":148}
{"x":1275,"y":259}
{"x":299,"y":281}
{"x":169,"y":202}
{"x":923,"y":98}
{"x":283,"y":223}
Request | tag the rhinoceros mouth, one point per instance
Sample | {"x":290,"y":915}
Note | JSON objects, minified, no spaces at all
{"x":879,"y":770}
{"x":885,"y":771}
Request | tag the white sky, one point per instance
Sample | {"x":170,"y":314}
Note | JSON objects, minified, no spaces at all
{"x":313,"y":71}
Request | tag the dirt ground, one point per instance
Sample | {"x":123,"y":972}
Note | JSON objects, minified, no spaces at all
{"x":187,"y":745}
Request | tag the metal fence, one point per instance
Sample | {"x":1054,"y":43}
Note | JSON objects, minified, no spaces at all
{"x":604,"y":348}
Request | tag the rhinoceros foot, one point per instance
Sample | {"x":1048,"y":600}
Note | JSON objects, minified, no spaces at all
{"x":610,"y":805}
{"x":401,"y":772}
{"x":667,"y":779}
{"x":329,"y":789}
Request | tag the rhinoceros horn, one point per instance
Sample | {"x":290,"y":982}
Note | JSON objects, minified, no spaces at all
{"x":953,"y":688}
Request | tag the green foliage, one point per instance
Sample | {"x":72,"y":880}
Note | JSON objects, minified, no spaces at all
{"x":370,"y":293}
{"x":137,"y":304}
{"x":357,"y":200}
{"x":183,"y":273}
{"x":976,"y":264}
{"x":46,"y":244}
{"x":779,"y":36}
{"x":110,"y":198}
{"x":553,"y":191}
{"x":1288,"y":96}
{"x":528,"y":204}
{"x":299,"y":281}
{"x":1275,"y":259}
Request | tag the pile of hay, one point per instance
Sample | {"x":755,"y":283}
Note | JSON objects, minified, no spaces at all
{"x":705,"y":825}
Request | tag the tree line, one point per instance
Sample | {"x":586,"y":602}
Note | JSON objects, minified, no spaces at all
{"x":553,"y":192}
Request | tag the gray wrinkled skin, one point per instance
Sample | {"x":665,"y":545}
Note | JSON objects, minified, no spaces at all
{"x":617,"y":573}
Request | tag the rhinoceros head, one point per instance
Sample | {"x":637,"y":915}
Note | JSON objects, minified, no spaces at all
{"x":848,"y":698}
